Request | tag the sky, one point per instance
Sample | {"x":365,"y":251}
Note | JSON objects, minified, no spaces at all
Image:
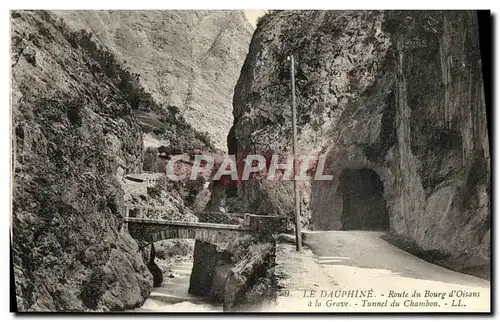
{"x":252,"y":15}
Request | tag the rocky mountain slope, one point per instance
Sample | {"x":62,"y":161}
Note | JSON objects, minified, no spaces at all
{"x":395,"y":100}
{"x":79,"y":115}
{"x":187,"y":59}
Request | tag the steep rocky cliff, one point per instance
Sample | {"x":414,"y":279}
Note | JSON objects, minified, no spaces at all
{"x":187,"y":59}
{"x":86,"y":86}
{"x":396,"y":102}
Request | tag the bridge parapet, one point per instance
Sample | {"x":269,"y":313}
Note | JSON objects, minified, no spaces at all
{"x":220,"y":217}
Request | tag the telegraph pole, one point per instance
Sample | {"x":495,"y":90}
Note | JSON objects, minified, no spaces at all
{"x":298,"y":236}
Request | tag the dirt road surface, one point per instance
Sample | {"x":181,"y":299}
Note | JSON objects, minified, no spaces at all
{"x":357,"y":271}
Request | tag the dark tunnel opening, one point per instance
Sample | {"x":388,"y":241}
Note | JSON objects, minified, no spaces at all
{"x":364,"y":206}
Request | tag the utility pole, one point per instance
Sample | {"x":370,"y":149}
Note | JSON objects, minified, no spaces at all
{"x":298,"y":236}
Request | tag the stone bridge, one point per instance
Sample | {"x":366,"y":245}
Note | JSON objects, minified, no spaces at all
{"x":213,"y":227}
{"x":152,"y":230}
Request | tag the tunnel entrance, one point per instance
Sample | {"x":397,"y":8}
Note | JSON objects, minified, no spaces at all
{"x":364,"y":206}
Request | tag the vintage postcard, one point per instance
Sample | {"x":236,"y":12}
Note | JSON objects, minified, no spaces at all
{"x":250,"y":161}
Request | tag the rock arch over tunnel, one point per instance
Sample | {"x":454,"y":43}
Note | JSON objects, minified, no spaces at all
{"x":363,"y":203}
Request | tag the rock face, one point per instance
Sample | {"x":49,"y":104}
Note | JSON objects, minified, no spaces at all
{"x":240,"y":276}
{"x":206,"y":258}
{"x":396,"y":102}
{"x":86,"y":85}
{"x":154,"y":269}
{"x":73,"y":133}
{"x":188,"y":59}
